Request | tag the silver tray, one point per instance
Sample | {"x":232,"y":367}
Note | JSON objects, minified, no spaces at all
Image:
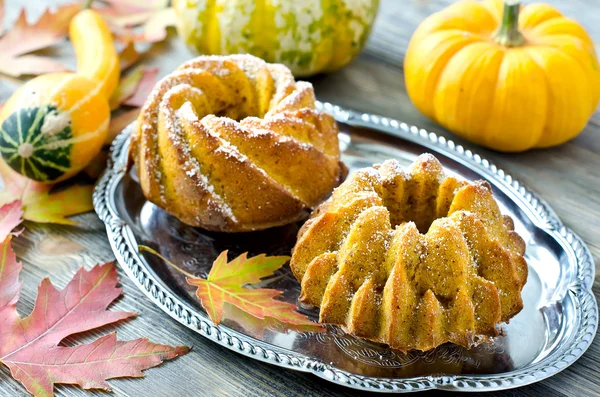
{"x":556,"y":326}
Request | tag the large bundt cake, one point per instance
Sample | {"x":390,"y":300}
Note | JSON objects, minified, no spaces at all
{"x":412,"y":258}
{"x":231,"y":143}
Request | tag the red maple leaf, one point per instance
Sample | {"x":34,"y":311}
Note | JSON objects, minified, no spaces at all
{"x":10,"y":217}
{"x":30,"y":346}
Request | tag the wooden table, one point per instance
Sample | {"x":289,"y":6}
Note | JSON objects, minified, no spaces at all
{"x":568,"y":177}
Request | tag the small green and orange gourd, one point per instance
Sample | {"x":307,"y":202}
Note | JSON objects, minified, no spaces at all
{"x":505,"y":76}
{"x":55,"y":124}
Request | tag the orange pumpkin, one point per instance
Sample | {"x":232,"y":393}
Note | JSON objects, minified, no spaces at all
{"x":504,"y":76}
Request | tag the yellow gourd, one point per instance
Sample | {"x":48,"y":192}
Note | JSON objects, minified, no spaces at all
{"x":55,"y":124}
{"x":504,"y":76}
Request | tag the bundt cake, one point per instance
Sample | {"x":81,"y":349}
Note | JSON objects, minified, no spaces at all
{"x":412,"y":258}
{"x":231,"y":143}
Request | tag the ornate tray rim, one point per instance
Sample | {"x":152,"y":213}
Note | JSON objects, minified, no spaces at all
{"x":123,"y":244}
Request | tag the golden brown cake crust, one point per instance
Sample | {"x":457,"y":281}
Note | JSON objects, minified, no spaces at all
{"x":412,"y":258}
{"x":231,"y":143}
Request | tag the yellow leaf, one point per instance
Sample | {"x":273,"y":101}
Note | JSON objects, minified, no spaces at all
{"x":39,"y":203}
{"x":55,"y":207}
{"x":226,"y":284}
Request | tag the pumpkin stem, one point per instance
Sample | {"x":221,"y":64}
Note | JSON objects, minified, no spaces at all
{"x":86,"y":4}
{"x":508,"y":33}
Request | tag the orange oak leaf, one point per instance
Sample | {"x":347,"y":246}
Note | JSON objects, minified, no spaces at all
{"x":225,"y":284}
{"x":24,"y":38}
{"x":10,"y":217}
{"x":39,"y":204}
{"x":30,"y":347}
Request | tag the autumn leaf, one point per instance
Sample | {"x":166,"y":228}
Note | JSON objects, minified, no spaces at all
{"x":24,"y":38}
{"x":128,"y":56}
{"x":10,"y":217}
{"x":55,"y":207}
{"x":30,"y":64}
{"x":131,"y":12}
{"x":139,"y":21}
{"x":39,"y":204}
{"x":127,"y":86}
{"x":10,"y":286}
{"x":118,"y":123}
{"x":225,"y":284}
{"x":143,"y":89}
{"x":1,"y":16}
{"x":134,"y":88}
{"x":256,"y":327}
{"x":31,"y":348}
{"x":155,"y":29}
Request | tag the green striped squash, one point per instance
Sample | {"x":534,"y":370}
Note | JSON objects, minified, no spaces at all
{"x":308,"y":36}
{"x":30,"y":148}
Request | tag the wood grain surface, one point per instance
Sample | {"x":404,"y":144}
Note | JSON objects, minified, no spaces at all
{"x":568,"y":177}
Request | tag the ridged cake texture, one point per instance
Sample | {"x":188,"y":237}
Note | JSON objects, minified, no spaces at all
{"x":412,"y":258}
{"x":231,"y":143}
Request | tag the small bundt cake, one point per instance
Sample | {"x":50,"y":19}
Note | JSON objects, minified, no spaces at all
{"x":412,"y":258}
{"x":231,"y":143}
